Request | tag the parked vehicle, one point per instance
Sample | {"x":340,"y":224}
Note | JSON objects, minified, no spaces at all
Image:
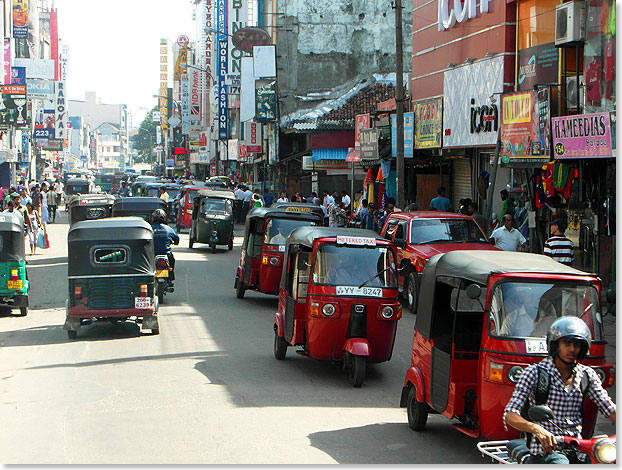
{"x":90,"y":206}
{"x":338,"y":298}
{"x":14,"y":284}
{"x":212,"y":219}
{"x":111,"y":273}
{"x":600,"y":449}
{"x":419,"y":235}
{"x":141,"y":207}
{"x":482,"y":318}
{"x":261,"y":257}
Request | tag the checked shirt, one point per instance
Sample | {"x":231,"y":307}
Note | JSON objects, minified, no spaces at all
{"x":565,"y":402}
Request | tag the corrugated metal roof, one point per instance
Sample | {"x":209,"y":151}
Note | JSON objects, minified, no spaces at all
{"x":329,"y":154}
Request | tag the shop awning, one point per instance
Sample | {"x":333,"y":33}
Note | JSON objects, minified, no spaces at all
{"x":329,"y":154}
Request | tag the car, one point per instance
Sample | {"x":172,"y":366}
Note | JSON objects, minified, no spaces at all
{"x":419,"y":235}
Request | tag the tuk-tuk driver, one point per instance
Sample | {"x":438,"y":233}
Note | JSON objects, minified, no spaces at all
{"x":125,"y":190}
{"x":350,"y":271}
{"x":568,"y":341}
{"x":517,"y":322}
{"x":163,"y":237}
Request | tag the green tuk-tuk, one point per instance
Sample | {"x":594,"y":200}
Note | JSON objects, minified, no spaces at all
{"x":14,"y":285}
{"x":89,"y":207}
{"x":212,"y":218}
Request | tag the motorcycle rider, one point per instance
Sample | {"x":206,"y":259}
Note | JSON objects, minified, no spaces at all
{"x":124,"y":190}
{"x":568,"y":340}
{"x":163,"y":237}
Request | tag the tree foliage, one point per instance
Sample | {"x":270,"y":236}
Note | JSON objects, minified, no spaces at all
{"x":144,"y":140}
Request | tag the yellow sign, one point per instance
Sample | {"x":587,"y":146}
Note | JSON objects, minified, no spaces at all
{"x":297,"y":209}
{"x":16,"y":285}
{"x":517,"y":108}
{"x":162,"y":273}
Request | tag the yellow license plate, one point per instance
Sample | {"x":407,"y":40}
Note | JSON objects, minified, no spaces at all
{"x":15,"y":284}
{"x":162,"y":273}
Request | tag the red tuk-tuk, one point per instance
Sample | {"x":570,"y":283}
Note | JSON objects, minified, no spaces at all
{"x":482,"y":318}
{"x":338,"y":298}
{"x":261,"y":257}
{"x":185,"y":204}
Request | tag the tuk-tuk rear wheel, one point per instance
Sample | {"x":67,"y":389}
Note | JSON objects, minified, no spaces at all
{"x":240,"y":289}
{"x":417,"y":411}
{"x":72,"y":334}
{"x":230,"y":245}
{"x":280,"y":346}
{"x":23,"y":311}
{"x":155,"y":331}
{"x":190,"y":241}
{"x":357,"y":370}
{"x":213,"y":246}
{"x":412,"y":292}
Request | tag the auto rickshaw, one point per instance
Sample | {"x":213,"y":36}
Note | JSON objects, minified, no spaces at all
{"x":261,"y":257}
{"x":185,"y":205}
{"x":212,"y":219}
{"x":75,"y":187}
{"x":141,"y":207}
{"x":89,"y":207}
{"x":482,"y":318}
{"x":14,"y":285}
{"x":338,"y":298}
{"x":111,"y":273}
{"x":299,"y":207}
{"x":153,"y":190}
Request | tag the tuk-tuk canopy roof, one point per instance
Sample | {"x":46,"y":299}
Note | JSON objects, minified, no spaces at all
{"x":302,"y":206}
{"x":477,"y":265}
{"x":112,"y":228}
{"x":263,"y":212}
{"x":139,"y":204}
{"x":11,"y":223}
{"x":92,"y":200}
{"x":215,"y":194}
{"x":306,"y":235}
{"x":77,"y":181}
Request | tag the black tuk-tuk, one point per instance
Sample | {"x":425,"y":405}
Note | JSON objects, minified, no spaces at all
{"x":90,"y":206}
{"x":74,"y":187}
{"x":299,"y":207}
{"x":111,"y":273}
{"x":212,"y":218}
{"x":141,"y":207}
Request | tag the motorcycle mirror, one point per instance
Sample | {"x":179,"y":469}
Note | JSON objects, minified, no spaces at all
{"x":540,"y":413}
{"x":611,"y":296}
{"x":473,"y":291}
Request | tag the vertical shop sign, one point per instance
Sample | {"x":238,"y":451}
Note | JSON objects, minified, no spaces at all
{"x":253,"y":137}
{"x":236,"y":19}
{"x":163,"y":102}
{"x":428,"y":123}
{"x":221,"y":14}
{"x":185,"y":106}
{"x":20,"y":19}
{"x":25,"y":147}
{"x":409,"y":127}
{"x":265,"y":102}
{"x":7,"y":62}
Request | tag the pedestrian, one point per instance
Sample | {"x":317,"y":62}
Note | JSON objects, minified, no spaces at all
{"x":314,"y":198}
{"x":268,"y":198}
{"x":45,"y":212}
{"x":389,"y":207}
{"x":52,"y":205}
{"x":238,"y":192}
{"x":558,"y":246}
{"x":346,"y":200}
{"x":256,"y":200}
{"x":282,"y":197}
{"x":508,"y":204}
{"x":34,"y":224}
{"x":441,"y":202}
{"x":59,"y":192}
{"x":464,"y":206}
{"x":35,"y":197}
{"x":334,"y":210}
{"x":479,"y":218}
{"x":364,"y":216}
{"x":507,"y":237}
{"x":327,"y":199}
{"x":124,"y":190}
{"x":25,"y":198}
{"x":246,"y":204}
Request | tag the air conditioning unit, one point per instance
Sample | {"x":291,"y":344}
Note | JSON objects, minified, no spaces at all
{"x":573,"y":90}
{"x":569,"y":23}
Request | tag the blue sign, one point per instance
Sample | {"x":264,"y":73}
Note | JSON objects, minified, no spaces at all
{"x":170,"y":162}
{"x":25,"y":157}
{"x":18,"y":75}
{"x":84,"y":158}
{"x":409,"y":134}
{"x":46,"y":133}
{"x":221,"y":19}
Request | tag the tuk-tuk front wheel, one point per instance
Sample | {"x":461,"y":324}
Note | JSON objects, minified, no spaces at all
{"x":357,"y":370}
{"x":280,"y":346}
{"x":71,"y":334}
{"x":412,"y":292}
{"x":417,"y":411}
{"x":190,"y":241}
{"x":155,"y":331}
{"x":230,"y":245}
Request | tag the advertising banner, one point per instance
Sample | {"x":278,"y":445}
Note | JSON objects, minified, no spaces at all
{"x":232,"y":149}
{"x":538,"y":64}
{"x":36,"y":68}
{"x":163,"y":101}
{"x":409,"y":128}
{"x":15,"y":111}
{"x":253,"y":137}
{"x":428,"y":123}
{"x":185,"y":106}
{"x":525,"y":127}
{"x":582,"y":136}
{"x":60,"y":111}
{"x":221,"y":20}
{"x":40,"y":89}
{"x":265,"y":102}
{"x":309,"y":164}
{"x":236,"y":18}
{"x":18,"y":75}
{"x":20,"y":19}
{"x":361,"y":121}
{"x":369,"y":144}
{"x":7,"y":61}
{"x":196,"y":97}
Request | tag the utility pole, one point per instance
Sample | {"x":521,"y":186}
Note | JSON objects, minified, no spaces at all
{"x":399,"y":107}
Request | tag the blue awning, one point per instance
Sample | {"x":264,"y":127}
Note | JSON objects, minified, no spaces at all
{"x":329,"y":154}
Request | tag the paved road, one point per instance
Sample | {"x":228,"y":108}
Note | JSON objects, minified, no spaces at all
{"x":206,"y":390}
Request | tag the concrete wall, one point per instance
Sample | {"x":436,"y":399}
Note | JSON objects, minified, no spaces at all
{"x":321,"y":45}
{"x":93,"y":112}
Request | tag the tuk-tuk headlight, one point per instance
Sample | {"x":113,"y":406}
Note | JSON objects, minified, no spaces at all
{"x":605,"y":451}
{"x":314,"y":311}
{"x":601,"y":375}
{"x":328,"y":310}
{"x":386,"y":312}
{"x":514,"y":373}
{"x":274,"y":261}
{"x":495,"y":372}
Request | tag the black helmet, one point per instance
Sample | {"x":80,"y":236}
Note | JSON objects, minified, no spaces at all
{"x":568,"y":327}
{"x":158,"y":216}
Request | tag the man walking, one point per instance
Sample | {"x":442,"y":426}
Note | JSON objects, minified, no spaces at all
{"x":507,"y":237}
{"x":440,"y":202}
{"x":558,"y":246}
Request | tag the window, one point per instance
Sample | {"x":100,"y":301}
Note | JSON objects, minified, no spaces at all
{"x":424,"y":231}
{"x":110,"y":255}
{"x":278,"y":230}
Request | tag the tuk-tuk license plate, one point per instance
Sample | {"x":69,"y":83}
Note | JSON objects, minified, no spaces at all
{"x":535,"y":346}
{"x":162,"y":273}
{"x":364,"y":291}
{"x":15,"y":284}
{"x":142,"y":302}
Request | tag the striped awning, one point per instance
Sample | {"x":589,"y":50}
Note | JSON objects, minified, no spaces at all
{"x":329,"y":154}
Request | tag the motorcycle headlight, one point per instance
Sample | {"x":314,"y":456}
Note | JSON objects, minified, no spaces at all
{"x":328,"y":310}
{"x":605,"y":451}
{"x":601,"y":375}
{"x":214,"y":233}
{"x":514,"y":373}
{"x":386,"y":312}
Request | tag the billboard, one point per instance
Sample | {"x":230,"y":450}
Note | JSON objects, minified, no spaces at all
{"x":582,"y":136}
{"x":428,"y":123}
{"x":20,"y":19}
{"x":253,"y":137}
{"x":409,"y":131}
{"x":265,"y":101}
{"x":40,"y":89}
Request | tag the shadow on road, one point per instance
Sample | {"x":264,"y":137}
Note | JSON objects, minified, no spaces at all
{"x":392,"y":444}
{"x":34,"y":261}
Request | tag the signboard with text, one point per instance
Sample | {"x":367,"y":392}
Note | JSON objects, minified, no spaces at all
{"x":582,"y":136}
{"x":409,"y":130}
{"x":428,"y":123}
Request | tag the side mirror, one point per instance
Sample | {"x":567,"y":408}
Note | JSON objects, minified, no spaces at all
{"x":540,"y":413}
{"x":473,"y":291}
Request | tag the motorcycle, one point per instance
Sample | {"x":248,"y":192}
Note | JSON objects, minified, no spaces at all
{"x":600,"y":449}
{"x":163,"y":278}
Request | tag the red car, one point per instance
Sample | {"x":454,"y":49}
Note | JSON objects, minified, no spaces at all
{"x":419,"y":235}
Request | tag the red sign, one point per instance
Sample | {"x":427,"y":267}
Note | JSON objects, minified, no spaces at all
{"x":253,"y":137}
{"x":361,"y":121}
{"x":13,"y":89}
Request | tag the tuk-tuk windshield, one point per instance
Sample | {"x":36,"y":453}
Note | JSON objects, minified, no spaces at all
{"x":220,"y":206}
{"x":527,"y":309}
{"x":353,"y":266}
{"x":423,"y":231}
{"x":277,"y":230}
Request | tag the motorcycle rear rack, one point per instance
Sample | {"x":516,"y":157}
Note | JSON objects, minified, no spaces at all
{"x":496,"y":450}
